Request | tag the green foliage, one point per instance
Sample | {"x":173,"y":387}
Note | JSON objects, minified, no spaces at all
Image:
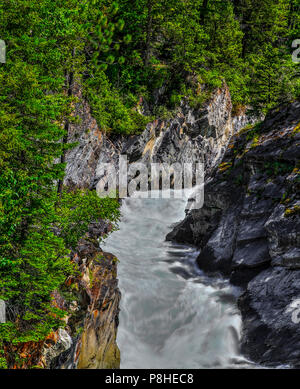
{"x":112,"y":112}
{"x":47,"y":42}
{"x":277,"y":168}
{"x":292,"y":211}
{"x":245,"y":42}
{"x":118,"y":52}
{"x":76,"y":210}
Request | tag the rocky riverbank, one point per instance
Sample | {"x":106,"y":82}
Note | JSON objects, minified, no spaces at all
{"x":88,"y":339}
{"x":249,"y":230}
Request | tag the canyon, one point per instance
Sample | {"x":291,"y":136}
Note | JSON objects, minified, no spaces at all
{"x":246,"y":232}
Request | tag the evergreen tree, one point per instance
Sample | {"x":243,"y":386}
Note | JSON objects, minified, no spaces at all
{"x":45,"y":42}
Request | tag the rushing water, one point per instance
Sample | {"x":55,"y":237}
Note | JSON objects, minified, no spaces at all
{"x":172,"y":315}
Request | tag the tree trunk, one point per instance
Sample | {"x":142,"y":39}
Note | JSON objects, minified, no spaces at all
{"x":149,"y":31}
{"x":203,"y":11}
{"x":69,"y":78}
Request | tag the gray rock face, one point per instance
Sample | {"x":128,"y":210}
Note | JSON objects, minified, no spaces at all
{"x":2,"y":312}
{"x":270,"y":310}
{"x":249,"y":230}
{"x":63,"y":344}
{"x":242,"y":119}
{"x":93,"y":147}
{"x":193,"y":135}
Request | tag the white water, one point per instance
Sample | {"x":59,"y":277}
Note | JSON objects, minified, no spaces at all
{"x":172,"y":315}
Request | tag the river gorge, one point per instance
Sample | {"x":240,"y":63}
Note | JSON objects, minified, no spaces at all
{"x":212,"y":287}
{"x":217,"y":286}
{"x":172,"y":315}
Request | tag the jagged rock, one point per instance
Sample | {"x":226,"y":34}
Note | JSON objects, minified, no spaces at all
{"x":284,"y":237}
{"x":248,"y":229}
{"x":93,"y":147}
{"x":192,"y":136}
{"x":251,"y":255}
{"x":183,"y":232}
{"x":97,"y":348}
{"x":270,"y":311}
{"x":96,"y":310}
{"x":217,"y":254}
{"x":53,"y":347}
{"x":2,"y":311}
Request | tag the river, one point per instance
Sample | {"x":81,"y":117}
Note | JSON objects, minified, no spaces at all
{"x":172,"y":315}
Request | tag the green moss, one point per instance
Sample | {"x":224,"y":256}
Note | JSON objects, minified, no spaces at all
{"x":277,"y":168}
{"x":91,"y":277}
{"x":225,"y":166}
{"x":296,"y":129}
{"x":244,"y":130}
{"x":292,"y":211}
{"x":255,"y":142}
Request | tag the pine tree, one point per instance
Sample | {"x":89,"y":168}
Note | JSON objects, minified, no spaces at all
{"x":46,"y":42}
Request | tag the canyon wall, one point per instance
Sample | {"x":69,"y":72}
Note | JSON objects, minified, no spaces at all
{"x":249,"y":231}
{"x":192,"y":135}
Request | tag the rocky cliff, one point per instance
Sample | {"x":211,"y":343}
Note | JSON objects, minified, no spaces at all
{"x":249,"y":230}
{"x":88,"y":339}
{"x":191,"y":136}
{"x":93,"y":324}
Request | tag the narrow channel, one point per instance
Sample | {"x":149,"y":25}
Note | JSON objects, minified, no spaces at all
{"x":172,"y":315}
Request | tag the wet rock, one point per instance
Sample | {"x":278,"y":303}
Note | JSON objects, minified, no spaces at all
{"x":216,"y":255}
{"x":251,"y":255}
{"x":183,"y":232}
{"x":270,"y":310}
{"x":251,"y":230}
{"x":284,"y":237}
{"x":248,"y":229}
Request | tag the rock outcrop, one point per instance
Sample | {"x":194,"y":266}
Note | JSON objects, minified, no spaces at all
{"x":88,"y":340}
{"x":93,"y":146}
{"x":191,"y":136}
{"x":249,"y":230}
{"x":94,"y":321}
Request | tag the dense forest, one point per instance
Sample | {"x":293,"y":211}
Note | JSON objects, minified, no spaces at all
{"x":118,"y":52}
